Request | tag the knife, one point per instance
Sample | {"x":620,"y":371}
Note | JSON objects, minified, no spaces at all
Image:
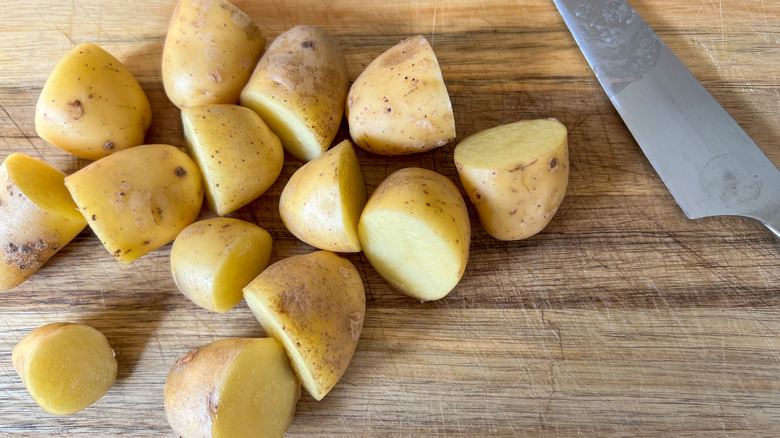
{"x":708,"y":163}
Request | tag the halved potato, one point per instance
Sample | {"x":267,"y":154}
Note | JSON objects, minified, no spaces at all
{"x":65,"y":367}
{"x":298,"y":88}
{"x":322,"y":201}
{"x":37,"y":217}
{"x":139,"y":199}
{"x":314,"y":304}
{"x":240,"y":158}
{"x":415,"y":232}
{"x":91,"y":105}
{"x":210,"y":51}
{"x":213,"y":259}
{"x":232,"y":388}
{"x":399,"y":104}
{"x":515,"y":175}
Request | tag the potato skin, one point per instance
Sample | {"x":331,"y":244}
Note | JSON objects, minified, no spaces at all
{"x":210,"y":51}
{"x":399,"y":104}
{"x":139,"y":199}
{"x":92,"y":105}
{"x":29,"y":234}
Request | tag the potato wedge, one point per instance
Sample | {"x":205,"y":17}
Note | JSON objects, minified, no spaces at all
{"x":139,"y":199}
{"x":399,"y":104}
{"x":91,"y":105}
{"x":213,"y":259}
{"x":37,"y":217}
{"x":232,"y":388}
{"x":65,"y":367}
{"x":239,"y":157}
{"x":210,"y":51}
{"x":298,"y":88}
{"x":415,"y":232}
{"x":314,"y":304}
{"x":515,"y":175}
{"x":322,"y":201}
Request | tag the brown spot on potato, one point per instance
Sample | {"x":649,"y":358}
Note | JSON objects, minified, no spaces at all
{"x":180,"y":172}
{"x":308,"y":44}
{"x":553,"y":164}
{"x":109,"y":145}
{"x":75,"y":110}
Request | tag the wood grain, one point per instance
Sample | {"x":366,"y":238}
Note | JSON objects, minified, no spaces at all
{"x":621,"y":318}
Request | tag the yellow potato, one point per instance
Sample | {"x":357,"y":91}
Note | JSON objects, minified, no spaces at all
{"x":314,"y":304}
{"x":213,"y":259}
{"x":415,"y":232}
{"x":37,"y":217}
{"x":65,"y":367}
{"x":322,"y":201}
{"x":515,"y":175}
{"x":210,"y":51}
{"x":239,"y":157}
{"x":92,"y":105}
{"x":232,"y":388}
{"x":139,"y":199}
{"x":298,"y":88}
{"x":399,"y":105}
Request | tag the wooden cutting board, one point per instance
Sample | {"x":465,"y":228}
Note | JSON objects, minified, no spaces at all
{"x":622,"y":317}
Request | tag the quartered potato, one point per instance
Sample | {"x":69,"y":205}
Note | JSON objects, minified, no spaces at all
{"x":399,"y":105}
{"x":92,"y":105}
{"x":515,"y":175}
{"x":298,"y":88}
{"x":210,"y":51}
{"x":37,"y":217}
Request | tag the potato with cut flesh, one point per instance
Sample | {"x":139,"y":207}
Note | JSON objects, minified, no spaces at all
{"x":399,"y":104}
{"x":314,"y":304}
{"x":515,"y":175}
{"x":65,"y":367}
{"x":37,"y":217}
{"x":91,"y":105}
{"x":210,"y":51}
{"x":298,"y":88}
{"x":322,"y":201}
{"x":139,"y":199}
{"x":415,"y":232}
{"x":213,"y":259}
{"x":232,"y":388}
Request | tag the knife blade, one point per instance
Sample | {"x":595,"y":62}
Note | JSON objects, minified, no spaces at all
{"x":708,"y":163}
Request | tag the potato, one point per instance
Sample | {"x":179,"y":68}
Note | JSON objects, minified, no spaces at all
{"x":65,"y":367}
{"x":399,"y":104}
{"x":515,"y":175}
{"x":322,"y":201}
{"x":314,"y":304}
{"x":415,"y":232}
{"x":298,"y":88}
{"x":239,"y":157}
{"x":37,"y":217}
{"x":210,"y":51}
{"x":91,"y":105}
{"x":139,"y":199}
{"x":213,"y":259}
{"x":232,"y":388}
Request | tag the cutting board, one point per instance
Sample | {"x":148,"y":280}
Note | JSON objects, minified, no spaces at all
{"x":621,"y":318}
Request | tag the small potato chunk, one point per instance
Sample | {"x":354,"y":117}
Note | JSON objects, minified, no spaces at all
{"x":213,"y":259}
{"x":210,"y":51}
{"x":240,"y":158}
{"x":314,"y":304}
{"x":322,"y":201}
{"x":298,"y":88}
{"x":65,"y":367}
{"x":139,"y":199}
{"x":37,"y":217}
{"x":399,"y":105}
{"x":415,"y":232}
{"x":91,"y":105}
{"x":232,"y":388}
{"x":515,"y":175}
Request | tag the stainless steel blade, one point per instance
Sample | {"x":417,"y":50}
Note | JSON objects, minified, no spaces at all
{"x":708,"y":163}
